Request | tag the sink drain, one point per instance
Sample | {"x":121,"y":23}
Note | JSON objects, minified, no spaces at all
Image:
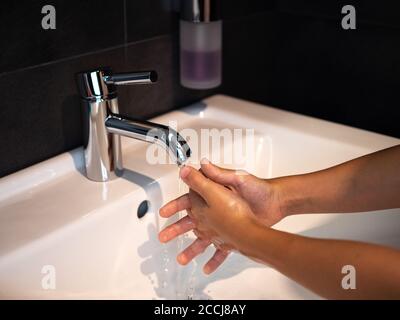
{"x":143,"y":209}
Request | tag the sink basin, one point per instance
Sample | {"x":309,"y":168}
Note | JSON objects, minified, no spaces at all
{"x":65,"y":237}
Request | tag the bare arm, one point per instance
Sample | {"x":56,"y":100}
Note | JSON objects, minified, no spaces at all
{"x":317,"y":264}
{"x":371,"y":182}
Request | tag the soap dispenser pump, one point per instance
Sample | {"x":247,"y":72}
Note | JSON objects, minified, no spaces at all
{"x":200,"y":44}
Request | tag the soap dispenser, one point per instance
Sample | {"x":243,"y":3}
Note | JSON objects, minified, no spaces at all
{"x":200,"y":44}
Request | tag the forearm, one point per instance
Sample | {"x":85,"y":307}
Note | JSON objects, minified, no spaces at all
{"x":317,"y":264}
{"x":367,"y":183}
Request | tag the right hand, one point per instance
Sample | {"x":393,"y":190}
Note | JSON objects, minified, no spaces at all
{"x":261,"y":195}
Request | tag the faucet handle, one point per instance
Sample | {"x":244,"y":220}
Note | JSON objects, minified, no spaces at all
{"x":100,"y":83}
{"x":142,"y":77}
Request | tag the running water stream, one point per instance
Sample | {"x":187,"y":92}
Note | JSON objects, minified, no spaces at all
{"x":181,"y":278}
{"x":180,"y":288}
{"x":186,"y":280}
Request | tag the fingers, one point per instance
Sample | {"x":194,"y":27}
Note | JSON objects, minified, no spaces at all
{"x":176,"y":229}
{"x":174,"y":206}
{"x":218,"y":174}
{"x":199,"y":183}
{"x":216,"y":260}
{"x":195,"y":199}
{"x":196,"y":248}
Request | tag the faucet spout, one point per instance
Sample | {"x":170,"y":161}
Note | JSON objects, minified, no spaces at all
{"x":151,"y":132}
{"x":104,"y":126}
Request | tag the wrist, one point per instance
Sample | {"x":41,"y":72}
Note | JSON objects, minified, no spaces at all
{"x":266,"y":245}
{"x":291,"y":194}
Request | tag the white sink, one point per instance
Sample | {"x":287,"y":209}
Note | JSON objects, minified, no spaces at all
{"x":63,"y":236}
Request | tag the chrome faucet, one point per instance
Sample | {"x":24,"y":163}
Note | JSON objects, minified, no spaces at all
{"x":103,"y":125}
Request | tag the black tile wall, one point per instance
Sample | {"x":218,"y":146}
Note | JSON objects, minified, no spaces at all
{"x":289,"y":54}
{"x":310,"y":65}
{"x":81,"y":26}
{"x":150,"y":18}
{"x":232,"y":9}
{"x":385,"y":13}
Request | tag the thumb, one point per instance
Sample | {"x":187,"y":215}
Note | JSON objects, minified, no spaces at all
{"x":198,"y":182}
{"x":219,"y":175}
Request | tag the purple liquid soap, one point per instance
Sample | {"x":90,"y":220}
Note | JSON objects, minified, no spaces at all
{"x":200,"y":65}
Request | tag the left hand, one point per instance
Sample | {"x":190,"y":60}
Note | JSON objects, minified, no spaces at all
{"x":216,"y":214}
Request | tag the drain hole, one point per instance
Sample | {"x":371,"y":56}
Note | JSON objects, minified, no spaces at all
{"x":143,"y":209}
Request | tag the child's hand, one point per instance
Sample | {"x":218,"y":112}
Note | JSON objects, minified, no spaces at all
{"x":261,"y":195}
{"x":216,"y":214}
{"x":219,"y":215}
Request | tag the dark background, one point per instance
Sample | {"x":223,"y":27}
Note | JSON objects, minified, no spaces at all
{"x":291,"y":54}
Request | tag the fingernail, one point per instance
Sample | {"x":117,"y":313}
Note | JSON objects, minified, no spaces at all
{"x":204,"y":161}
{"x":181,"y":259}
{"x":163,"y":237}
{"x":184,"y":172}
{"x":206,"y":270}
